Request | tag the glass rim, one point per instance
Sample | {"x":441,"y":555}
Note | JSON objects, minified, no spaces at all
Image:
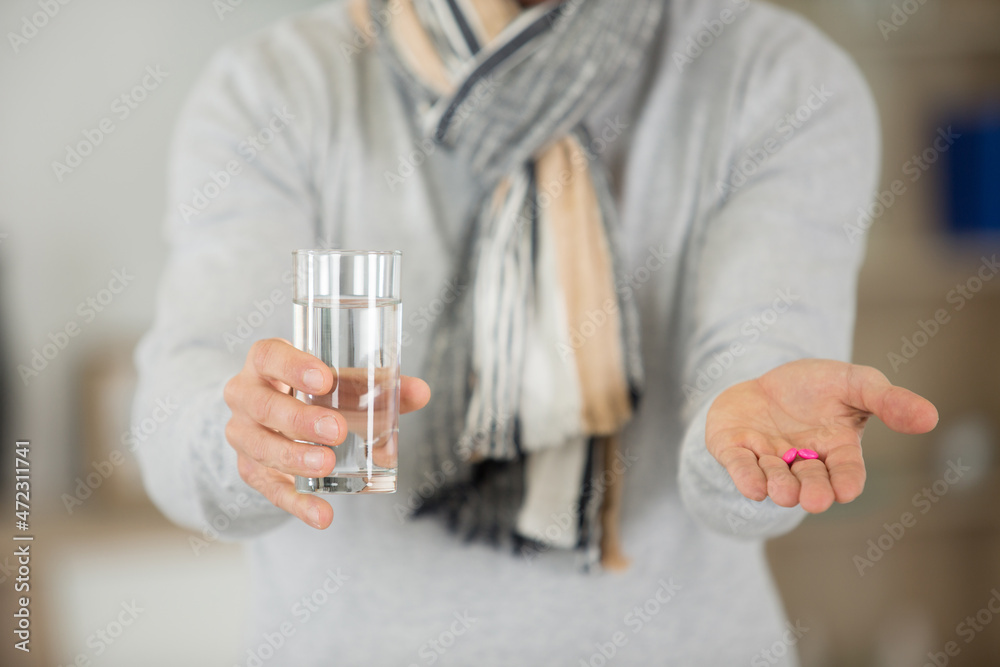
{"x":339,"y":251}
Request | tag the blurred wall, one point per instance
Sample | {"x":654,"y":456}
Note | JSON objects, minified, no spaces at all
{"x":872,"y":590}
{"x":64,"y":235}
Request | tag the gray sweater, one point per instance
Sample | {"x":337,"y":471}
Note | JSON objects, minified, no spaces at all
{"x":738,"y":259}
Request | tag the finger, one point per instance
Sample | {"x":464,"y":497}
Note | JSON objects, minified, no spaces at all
{"x":297,"y":420}
{"x":846,"y":465}
{"x":277,"y":360}
{"x":354,"y":392}
{"x":816,"y":495}
{"x":782,"y":486}
{"x":371,"y":410}
{"x":414,"y":394}
{"x":362,"y":388}
{"x":900,"y":409}
{"x":280,"y":491}
{"x":385,"y":450}
{"x":370,"y":426}
{"x":273,"y":450}
{"x":741,"y":464}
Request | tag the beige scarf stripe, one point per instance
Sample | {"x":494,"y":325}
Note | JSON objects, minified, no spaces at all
{"x":587,"y":279}
{"x":495,"y":15}
{"x":416,"y":47}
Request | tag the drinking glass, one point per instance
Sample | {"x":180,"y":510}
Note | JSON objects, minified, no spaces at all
{"x":347,"y":312}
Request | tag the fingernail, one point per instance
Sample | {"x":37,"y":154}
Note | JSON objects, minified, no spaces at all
{"x":313,"y":459}
{"x":327,"y":428}
{"x":790,"y":455}
{"x":808,"y":454}
{"x":313,"y":379}
{"x":313,"y":514}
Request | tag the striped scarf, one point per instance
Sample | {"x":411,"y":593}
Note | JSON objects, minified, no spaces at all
{"x":535,"y":367}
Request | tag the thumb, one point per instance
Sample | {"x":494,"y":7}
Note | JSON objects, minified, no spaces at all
{"x":900,"y":409}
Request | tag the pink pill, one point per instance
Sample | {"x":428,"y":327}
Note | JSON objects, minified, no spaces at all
{"x":790,"y":455}
{"x":808,"y":454}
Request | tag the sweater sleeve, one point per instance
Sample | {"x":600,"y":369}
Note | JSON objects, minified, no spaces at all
{"x":772,"y":272}
{"x":240,"y":200}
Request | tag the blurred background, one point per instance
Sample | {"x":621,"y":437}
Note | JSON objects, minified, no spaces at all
{"x":881,"y":582}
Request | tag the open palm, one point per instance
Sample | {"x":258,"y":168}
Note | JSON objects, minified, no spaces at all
{"x":815,"y":404}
